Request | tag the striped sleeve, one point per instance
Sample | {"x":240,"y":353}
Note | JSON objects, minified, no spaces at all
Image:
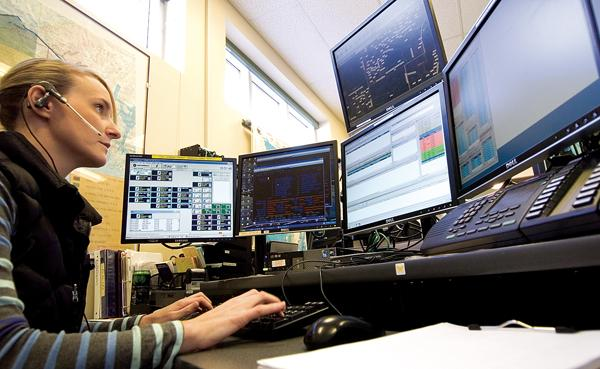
{"x":123,"y":345}
{"x":119,"y":324}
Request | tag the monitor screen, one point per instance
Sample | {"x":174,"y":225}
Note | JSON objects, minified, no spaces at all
{"x":177,"y":199}
{"x":395,"y":53}
{"x":289,"y":190}
{"x":399,"y":169}
{"x":525,"y":79}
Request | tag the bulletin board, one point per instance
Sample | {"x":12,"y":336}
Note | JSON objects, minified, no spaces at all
{"x":58,"y":29}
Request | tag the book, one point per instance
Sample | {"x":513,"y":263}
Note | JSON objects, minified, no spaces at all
{"x":97,"y":285}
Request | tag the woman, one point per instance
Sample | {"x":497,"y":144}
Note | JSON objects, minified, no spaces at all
{"x":60,"y":117}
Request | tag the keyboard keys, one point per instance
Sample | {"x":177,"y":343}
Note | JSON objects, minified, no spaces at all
{"x":294,"y":318}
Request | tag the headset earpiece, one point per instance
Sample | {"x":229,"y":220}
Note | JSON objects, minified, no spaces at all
{"x":42,"y":102}
{"x":49,"y":90}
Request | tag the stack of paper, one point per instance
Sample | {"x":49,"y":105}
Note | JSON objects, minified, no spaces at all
{"x":454,"y":347}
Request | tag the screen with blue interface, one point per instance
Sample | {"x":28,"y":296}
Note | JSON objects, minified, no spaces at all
{"x":394,"y":53}
{"x":399,"y":169}
{"x":525,"y":79}
{"x":287,"y":190}
{"x":177,"y":199}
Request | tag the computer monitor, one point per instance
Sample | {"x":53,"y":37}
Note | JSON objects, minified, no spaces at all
{"x":524,"y":81}
{"x":399,"y":169}
{"x":289,"y":190}
{"x":392,"y":54}
{"x":178,"y":199}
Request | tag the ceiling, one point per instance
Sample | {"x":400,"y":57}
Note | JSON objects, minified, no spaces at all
{"x":303,"y":32}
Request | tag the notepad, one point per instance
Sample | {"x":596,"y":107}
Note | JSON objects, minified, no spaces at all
{"x":451,"y":346}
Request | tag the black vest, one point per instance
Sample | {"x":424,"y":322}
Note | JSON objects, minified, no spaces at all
{"x":50,"y":238}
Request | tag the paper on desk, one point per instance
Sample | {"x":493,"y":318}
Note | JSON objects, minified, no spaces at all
{"x":450,"y":346}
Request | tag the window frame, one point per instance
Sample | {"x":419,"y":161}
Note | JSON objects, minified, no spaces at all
{"x":260,"y":78}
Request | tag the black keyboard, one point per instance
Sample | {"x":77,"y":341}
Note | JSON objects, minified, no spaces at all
{"x":275,"y":326}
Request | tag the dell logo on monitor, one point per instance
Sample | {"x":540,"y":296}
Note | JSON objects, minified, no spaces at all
{"x":511,"y":163}
{"x":389,"y":220}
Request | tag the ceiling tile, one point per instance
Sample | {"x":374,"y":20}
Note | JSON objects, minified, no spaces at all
{"x":252,"y":9}
{"x":296,"y":40}
{"x":447,"y":13}
{"x":334,"y":19}
{"x":330,"y":97}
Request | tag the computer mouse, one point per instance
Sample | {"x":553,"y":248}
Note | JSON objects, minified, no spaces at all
{"x":333,"y":330}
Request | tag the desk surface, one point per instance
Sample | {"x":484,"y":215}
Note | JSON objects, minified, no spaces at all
{"x":236,"y":353}
{"x":482,"y":297}
{"x":552,"y":255}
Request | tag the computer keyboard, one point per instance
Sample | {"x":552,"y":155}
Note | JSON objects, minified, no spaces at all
{"x":275,"y":326}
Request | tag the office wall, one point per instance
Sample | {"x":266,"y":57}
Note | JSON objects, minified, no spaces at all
{"x":176,"y":99}
{"x":224,"y":123}
{"x":188,"y":107}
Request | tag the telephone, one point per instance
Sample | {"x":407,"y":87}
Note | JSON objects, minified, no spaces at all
{"x":560,"y":203}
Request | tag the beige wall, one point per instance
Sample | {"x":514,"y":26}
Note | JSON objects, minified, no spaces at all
{"x":176,"y":100}
{"x":188,"y":107}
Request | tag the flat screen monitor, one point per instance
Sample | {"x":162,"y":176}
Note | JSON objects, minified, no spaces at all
{"x":524,"y":81}
{"x":289,"y":190}
{"x":393,"y":54}
{"x":178,"y":199}
{"x":399,"y":169}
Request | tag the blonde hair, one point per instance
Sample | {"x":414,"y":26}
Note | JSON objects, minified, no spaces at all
{"x":17,"y":81}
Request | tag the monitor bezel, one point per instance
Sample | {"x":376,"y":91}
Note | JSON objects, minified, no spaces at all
{"x":374,"y":115}
{"x":449,"y":145}
{"x":128,"y":158}
{"x":333,"y":144}
{"x":544,"y":148}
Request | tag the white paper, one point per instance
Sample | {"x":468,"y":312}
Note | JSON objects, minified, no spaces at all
{"x":450,"y":346}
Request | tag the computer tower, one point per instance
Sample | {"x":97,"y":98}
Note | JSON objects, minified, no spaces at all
{"x":228,"y":259}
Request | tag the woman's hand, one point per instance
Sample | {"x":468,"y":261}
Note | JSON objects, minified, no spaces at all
{"x":213,"y":326}
{"x":179,"y":309}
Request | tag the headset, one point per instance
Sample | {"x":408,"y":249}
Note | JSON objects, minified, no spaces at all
{"x":50,"y":90}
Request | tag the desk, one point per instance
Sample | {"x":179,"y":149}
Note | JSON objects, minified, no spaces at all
{"x":238,"y":354}
{"x":547,"y":284}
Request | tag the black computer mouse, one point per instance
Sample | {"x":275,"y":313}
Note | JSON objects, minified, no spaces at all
{"x":337,"y":329}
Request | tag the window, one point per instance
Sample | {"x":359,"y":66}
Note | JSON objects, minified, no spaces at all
{"x":249,"y":91}
{"x":236,"y":84}
{"x":158,"y":25}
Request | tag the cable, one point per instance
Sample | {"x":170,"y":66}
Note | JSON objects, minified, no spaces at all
{"x":87,"y":322}
{"x":287,"y":301}
{"x":38,"y":141}
{"x":323,"y":291}
{"x":410,"y":246}
{"x":181,"y":246}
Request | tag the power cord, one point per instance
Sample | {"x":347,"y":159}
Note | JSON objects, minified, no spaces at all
{"x":87,"y":322}
{"x":36,"y":139}
{"x":323,"y":291}
{"x":181,"y":246}
{"x":287,"y":301}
